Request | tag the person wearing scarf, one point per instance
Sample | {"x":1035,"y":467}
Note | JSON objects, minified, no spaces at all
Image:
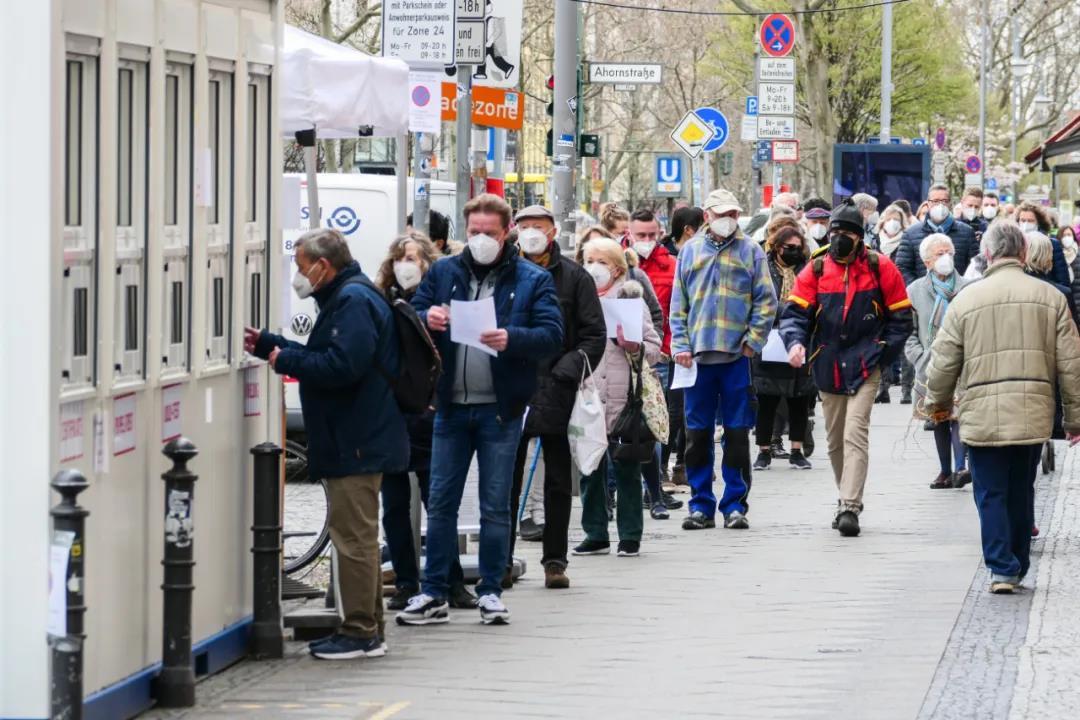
{"x":930,"y":297}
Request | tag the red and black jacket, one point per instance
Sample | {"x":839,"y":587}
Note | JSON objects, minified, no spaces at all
{"x":851,"y":318}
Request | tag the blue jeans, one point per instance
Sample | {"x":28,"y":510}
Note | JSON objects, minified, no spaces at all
{"x":727,"y":389}
{"x":1003,"y":479}
{"x":460,"y":431}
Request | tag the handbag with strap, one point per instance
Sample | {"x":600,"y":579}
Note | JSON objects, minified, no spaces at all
{"x":631,"y":440}
{"x":653,"y":402}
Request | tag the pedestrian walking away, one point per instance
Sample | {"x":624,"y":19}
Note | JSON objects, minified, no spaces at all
{"x":584,"y":338}
{"x":850,"y":307}
{"x":1006,"y":341}
{"x":480,"y":399}
{"x":618,"y":377}
{"x":930,"y":298}
{"x":354,"y":429}
{"x":722,"y":307}
{"x":410,"y":257}
{"x":788,"y":252}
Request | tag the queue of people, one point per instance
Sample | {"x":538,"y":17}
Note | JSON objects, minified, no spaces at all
{"x":829,"y":305}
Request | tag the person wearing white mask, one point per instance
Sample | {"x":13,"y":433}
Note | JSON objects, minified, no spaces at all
{"x":991,"y":206}
{"x":485,"y":386}
{"x":1034,"y":218}
{"x":816,"y":214}
{"x":355,"y":431}
{"x":930,"y":297}
{"x":971,"y":210}
{"x":557,"y":382}
{"x":410,"y":257}
{"x":615,"y":376}
{"x":939,"y":219}
{"x":722,"y":308}
{"x":890,"y":231}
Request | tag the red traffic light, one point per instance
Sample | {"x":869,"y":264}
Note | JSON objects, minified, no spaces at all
{"x":551,"y":82}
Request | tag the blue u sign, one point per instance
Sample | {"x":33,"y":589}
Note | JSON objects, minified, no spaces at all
{"x":668,"y":174}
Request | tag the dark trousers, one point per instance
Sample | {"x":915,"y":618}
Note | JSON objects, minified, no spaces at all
{"x":1004,"y":482}
{"x":676,"y":442}
{"x":558,"y":491}
{"x":798,"y":413}
{"x":397,"y":527}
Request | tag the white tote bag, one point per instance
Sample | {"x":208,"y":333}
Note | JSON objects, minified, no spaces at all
{"x":587,"y":430}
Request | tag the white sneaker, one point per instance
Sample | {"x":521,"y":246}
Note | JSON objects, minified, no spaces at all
{"x":424,"y":610}
{"x":492,"y":610}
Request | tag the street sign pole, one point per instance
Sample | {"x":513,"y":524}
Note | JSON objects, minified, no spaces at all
{"x":755,"y":173}
{"x":886,"y":73}
{"x":564,"y":131}
{"x":461,"y":154}
{"x":421,"y":181}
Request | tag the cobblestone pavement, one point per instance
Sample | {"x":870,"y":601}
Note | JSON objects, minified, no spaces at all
{"x":786,"y":620}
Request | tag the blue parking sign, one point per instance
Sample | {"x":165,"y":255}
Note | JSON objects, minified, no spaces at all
{"x":751,"y":105}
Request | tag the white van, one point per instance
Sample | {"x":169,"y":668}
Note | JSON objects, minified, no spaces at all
{"x":364,"y":208}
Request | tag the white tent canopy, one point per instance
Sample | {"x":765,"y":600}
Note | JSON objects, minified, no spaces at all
{"x":335,"y":89}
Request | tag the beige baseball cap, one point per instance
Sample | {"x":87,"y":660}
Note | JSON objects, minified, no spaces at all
{"x":722,"y":201}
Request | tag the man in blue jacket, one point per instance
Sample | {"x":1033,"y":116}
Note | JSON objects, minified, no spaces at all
{"x":939,"y":220}
{"x":355,"y":431}
{"x":481,"y":398}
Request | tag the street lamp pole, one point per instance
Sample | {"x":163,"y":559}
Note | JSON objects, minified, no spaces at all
{"x":984,"y":12}
{"x":886,"y":73}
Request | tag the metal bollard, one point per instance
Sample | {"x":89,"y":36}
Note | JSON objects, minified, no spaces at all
{"x":67,"y":650}
{"x":175,"y":685}
{"x":267,"y":635}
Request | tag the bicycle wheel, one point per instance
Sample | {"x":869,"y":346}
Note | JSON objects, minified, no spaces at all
{"x":305,"y":527}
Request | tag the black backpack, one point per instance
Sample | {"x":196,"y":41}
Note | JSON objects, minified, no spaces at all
{"x":419,"y":364}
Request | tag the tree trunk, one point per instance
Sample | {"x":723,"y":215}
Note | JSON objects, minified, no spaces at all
{"x":330,"y":163}
{"x":348,"y":156}
{"x":823,"y":125}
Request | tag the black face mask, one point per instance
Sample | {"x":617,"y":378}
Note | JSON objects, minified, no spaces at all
{"x":791,"y":255}
{"x":841,"y":246}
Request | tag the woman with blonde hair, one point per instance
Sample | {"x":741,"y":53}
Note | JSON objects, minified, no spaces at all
{"x":615,"y":376}
{"x":615,"y":220}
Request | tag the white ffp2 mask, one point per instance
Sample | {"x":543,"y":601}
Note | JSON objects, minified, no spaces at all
{"x":484,"y":248}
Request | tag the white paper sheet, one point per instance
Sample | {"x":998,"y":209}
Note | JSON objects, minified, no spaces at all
{"x":470,"y":318}
{"x":59,"y":552}
{"x":774,"y":350}
{"x":626,"y":312}
{"x":684,"y":377}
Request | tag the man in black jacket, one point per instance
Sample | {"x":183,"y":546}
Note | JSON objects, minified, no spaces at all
{"x":939,"y":220}
{"x":557,"y":382}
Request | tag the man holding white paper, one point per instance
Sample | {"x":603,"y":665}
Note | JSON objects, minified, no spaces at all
{"x":722,"y":307}
{"x":481,"y":395}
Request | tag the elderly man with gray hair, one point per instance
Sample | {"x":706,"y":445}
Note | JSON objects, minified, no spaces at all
{"x":1005,"y":343}
{"x":355,"y":431}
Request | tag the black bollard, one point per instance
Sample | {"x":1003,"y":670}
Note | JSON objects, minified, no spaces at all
{"x":67,"y":650}
{"x":267,"y":635}
{"x":175,"y":685}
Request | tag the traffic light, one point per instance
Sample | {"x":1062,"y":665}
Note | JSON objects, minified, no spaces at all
{"x":727,"y":162}
{"x":551,"y":105}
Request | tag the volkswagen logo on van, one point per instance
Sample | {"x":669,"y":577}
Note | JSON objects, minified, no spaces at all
{"x":301,"y":324}
{"x":344,"y":219}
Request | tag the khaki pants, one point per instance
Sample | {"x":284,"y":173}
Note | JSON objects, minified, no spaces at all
{"x":847,"y":425}
{"x":354,"y":530}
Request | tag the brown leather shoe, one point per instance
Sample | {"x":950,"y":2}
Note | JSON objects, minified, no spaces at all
{"x":555,"y":577}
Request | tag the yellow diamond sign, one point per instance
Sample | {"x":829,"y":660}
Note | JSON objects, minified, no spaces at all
{"x":692,"y":134}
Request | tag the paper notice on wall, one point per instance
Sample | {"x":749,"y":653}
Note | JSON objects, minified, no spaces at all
{"x":290,"y":203}
{"x":252,"y":395}
{"x":101,"y":452}
{"x":425,"y":101}
{"x":171,"y":424}
{"x":59,"y":552}
{"x":123,"y":424}
{"x":71,"y":431}
{"x":204,"y":178}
